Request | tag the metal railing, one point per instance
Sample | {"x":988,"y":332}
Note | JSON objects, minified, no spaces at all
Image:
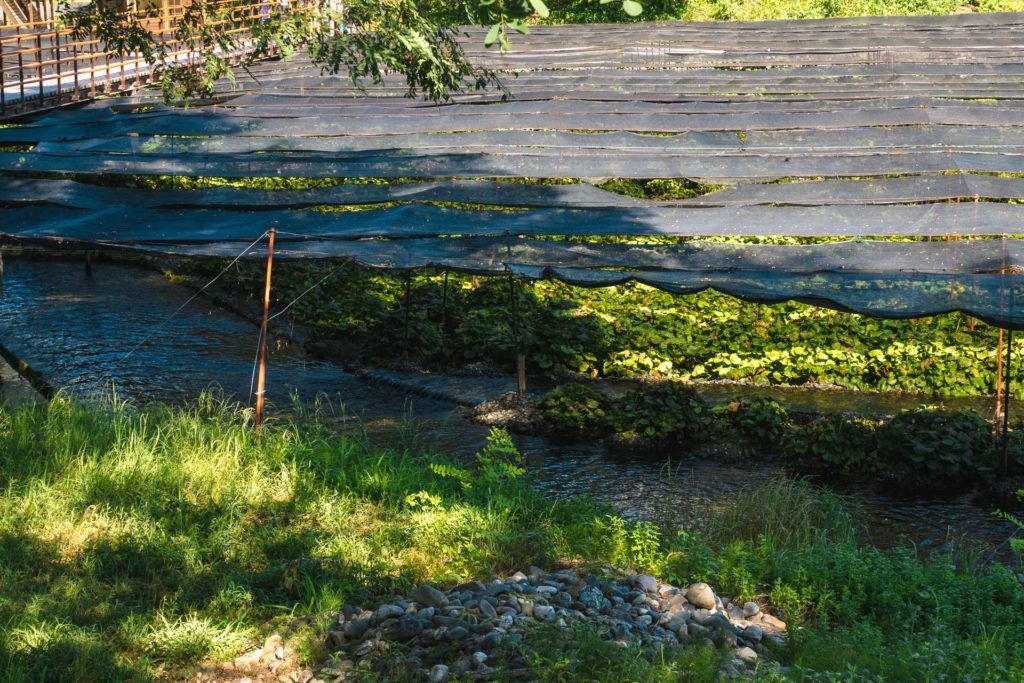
{"x":44,"y":65}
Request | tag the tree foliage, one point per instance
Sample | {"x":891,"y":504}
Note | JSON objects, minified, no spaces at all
{"x":367,"y":39}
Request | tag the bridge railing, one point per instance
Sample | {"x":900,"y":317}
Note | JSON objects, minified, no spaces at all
{"x":43,"y":64}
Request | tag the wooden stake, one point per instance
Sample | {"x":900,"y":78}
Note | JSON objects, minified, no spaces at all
{"x":261,"y":381}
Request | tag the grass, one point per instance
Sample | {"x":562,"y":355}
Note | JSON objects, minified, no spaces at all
{"x":136,"y":542}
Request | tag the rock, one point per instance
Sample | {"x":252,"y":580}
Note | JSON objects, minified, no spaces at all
{"x":403,"y":629}
{"x":646,"y":583}
{"x":753,"y":633}
{"x":592,"y":597}
{"x":272,"y":643}
{"x":535,"y":572}
{"x":773,"y":621}
{"x":438,"y":673}
{"x":457,"y":633}
{"x":518,"y":577}
{"x":491,"y":640}
{"x":700,"y":595}
{"x":750,"y":609}
{"x":479,"y":658}
{"x":386,"y":612}
{"x":487,"y":610}
{"x":428,"y":596}
{"x":543,"y":612}
{"x":747,"y":655}
{"x":335,"y":639}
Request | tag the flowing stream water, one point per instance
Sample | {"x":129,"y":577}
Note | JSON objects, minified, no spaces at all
{"x":120,"y":328}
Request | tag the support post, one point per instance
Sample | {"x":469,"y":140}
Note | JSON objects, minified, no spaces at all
{"x":999,"y":376}
{"x":261,"y":381}
{"x":406,"y":302}
{"x":520,"y":357}
{"x":444,"y":311}
{"x":88,"y":264}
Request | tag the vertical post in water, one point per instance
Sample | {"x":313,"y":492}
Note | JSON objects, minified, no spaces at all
{"x":406,"y":304}
{"x":520,"y":357}
{"x":444,"y":311}
{"x":1006,"y":396}
{"x":999,"y":376}
{"x":88,"y":264}
{"x":261,"y":381}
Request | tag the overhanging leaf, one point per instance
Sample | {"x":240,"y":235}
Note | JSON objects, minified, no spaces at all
{"x":632,"y":8}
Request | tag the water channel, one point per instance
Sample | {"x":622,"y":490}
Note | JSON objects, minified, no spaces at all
{"x":121,"y":328}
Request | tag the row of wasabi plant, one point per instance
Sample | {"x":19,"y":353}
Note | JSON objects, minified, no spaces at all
{"x":626,"y":331}
{"x":136,"y":542}
{"x":930,"y":444}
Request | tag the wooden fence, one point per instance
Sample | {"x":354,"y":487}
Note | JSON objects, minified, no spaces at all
{"x":44,"y":65}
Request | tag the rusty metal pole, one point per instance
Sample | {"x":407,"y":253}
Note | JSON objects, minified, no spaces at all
{"x":999,"y":376}
{"x":261,"y":381}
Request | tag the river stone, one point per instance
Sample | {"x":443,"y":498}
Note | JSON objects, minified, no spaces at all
{"x":428,"y":596}
{"x":753,"y":633}
{"x":491,"y":640}
{"x":592,"y":597}
{"x":750,"y":609}
{"x":747,"y":655}
{"x":439,"y":673}
{"x":487,"y":610}
{"x":646,"y":583}
{"x":700,"y":595}
{"x":356,"y":628}
{"x":387,"y":612}
{"x":457,"y":633}
{"x":403,"y":629}
{"x":543,"y":612}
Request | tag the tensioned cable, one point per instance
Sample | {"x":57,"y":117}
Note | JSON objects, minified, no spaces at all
{"x":192,"y":298}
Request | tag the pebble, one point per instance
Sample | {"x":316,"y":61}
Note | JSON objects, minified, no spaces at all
{"x":477,"y":618}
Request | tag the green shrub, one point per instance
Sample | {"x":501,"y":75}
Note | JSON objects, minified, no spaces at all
{"x":759,"y":419}
{"x":841,"y":442}
{"x":945,"y":444}
{"x":660,"y":413}
{"x":574,"y":409}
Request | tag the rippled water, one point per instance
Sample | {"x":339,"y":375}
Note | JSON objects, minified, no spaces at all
{"x":76,"y":331}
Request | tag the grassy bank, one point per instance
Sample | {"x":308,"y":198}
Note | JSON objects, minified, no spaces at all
{"x":135,"y":543}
